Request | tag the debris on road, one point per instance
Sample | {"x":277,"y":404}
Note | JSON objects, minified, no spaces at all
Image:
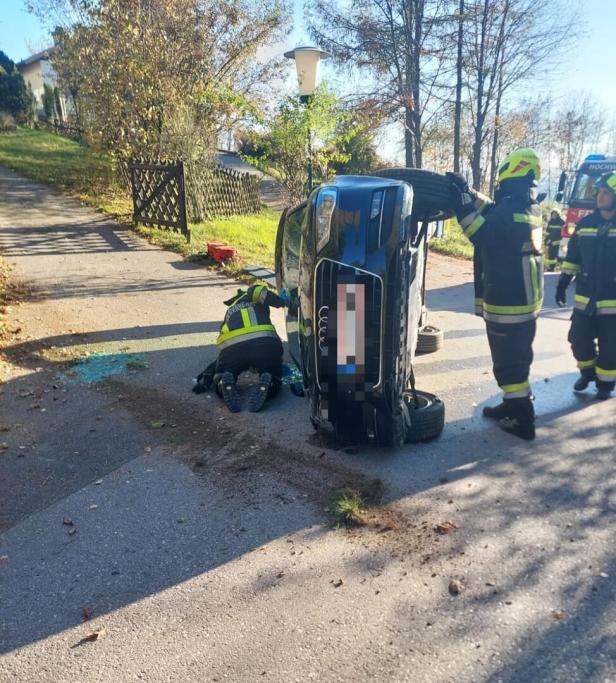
{"x":456,"y":586}
{"x":445,"y":527}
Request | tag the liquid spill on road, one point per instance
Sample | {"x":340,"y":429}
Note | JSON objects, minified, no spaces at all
{"x":98,"y":366}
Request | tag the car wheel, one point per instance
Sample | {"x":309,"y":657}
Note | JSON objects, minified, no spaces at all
{"x":430,"y":339}
{"x":427,"y":417}
{"x":433,"y":195}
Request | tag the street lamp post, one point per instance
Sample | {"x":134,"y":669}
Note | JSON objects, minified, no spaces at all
{"x":307,"y":63}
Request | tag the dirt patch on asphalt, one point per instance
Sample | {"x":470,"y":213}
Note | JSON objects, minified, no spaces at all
{"x":211,"y":444}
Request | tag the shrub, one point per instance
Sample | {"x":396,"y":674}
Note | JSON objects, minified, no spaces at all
{"x":7,"y":122}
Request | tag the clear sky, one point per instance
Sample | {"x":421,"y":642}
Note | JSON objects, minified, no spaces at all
{"x":588,"y":64}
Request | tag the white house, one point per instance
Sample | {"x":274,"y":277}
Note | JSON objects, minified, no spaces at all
{"x":38,"y":72}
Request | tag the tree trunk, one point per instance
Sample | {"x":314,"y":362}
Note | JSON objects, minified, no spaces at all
{"x":458,"y":106}
{"x":499,"y":98}
{"x":409,"y":138}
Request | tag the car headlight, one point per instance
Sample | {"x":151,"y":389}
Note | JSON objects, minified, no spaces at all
{"x":326,"y":203}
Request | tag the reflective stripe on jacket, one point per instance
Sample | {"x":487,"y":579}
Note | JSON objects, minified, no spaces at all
{"x":248,"y":316}
{"x":591,"y":257}
{"x":508,"y":262}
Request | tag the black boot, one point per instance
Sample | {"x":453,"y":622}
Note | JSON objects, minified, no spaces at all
{"x":586,"y":377}
{"x":604,"y":389}
{"x":230,"y":394}
{"x":521,"y":420}
{"x":260,"y":392}
{"x":498,"y":412}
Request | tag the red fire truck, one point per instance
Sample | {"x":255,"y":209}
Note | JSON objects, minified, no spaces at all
{"x":575,"y":188}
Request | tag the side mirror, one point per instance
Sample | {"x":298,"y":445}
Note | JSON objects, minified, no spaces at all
{"x":562,"y":181}
{"x":541,"y":196}
{"x":559,"y":197}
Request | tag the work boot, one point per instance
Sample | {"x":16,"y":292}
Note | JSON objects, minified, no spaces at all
{"x":604,"y":390}
{"x":521,"y":420}
{"x":259,"y":393}
{"x":584,"y":380}
{"x":498,"y":412}
{"x":230,"y":394}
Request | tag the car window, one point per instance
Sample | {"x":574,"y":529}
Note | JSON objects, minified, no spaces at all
{"x":291,"y":244}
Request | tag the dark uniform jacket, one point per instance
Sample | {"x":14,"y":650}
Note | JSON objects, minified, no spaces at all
{"x":591,"y":257}
{"x":248,"y":316}
{"x":508,"y":258}
{"x":554,"y":236}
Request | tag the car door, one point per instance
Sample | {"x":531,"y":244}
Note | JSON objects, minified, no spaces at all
{"x":288,"y":246}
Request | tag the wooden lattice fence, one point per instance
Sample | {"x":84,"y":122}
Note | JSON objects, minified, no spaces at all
{"x":218,"y":191}
{"x":159,"y":197}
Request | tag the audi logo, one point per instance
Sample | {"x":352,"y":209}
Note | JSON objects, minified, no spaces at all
{"x":322,"y":326}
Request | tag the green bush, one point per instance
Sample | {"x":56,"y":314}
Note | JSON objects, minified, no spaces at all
{"x":7,"y":122}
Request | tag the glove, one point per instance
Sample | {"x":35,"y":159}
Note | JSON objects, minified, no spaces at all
{"x":561,"y":293}
{"x":464,"y":194}
{"x":284,"y":295}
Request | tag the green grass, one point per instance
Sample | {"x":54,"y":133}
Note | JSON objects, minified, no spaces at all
{"x":454,"y":243}
{"x":253,"y":236}
{"x":67,"y":165}
{"x":346,"y":505}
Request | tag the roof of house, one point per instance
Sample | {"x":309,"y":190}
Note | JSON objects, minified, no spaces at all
{"x":44,"y":54}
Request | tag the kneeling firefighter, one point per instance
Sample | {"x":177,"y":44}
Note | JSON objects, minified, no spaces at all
{"x":591,"y":258}
{"x":508,"y":266}
{"x":248,"y":340}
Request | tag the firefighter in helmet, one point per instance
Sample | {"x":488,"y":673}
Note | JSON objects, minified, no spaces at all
{"x":553,"y":239}
{"x":508,"y":265}
{"x":248,"y":340}
{"x":591,"y":259}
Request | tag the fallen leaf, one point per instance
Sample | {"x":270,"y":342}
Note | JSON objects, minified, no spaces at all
{"x":157,"y":425}
{"x":338,"y":583}
{"x":72,"y":531}
{"x":67,"y":521}
{"x":98,"y":482}
{"x":558,"y":614}
{"x":280,"y":575}
{"x":94,"y":506}
{"x":3,"y":558}
{"x":95,"y":635}
{"x":3,"y":446}
{"x":86,"y":614}
{"x":445,"y":527}
{"x":456,"y":586}
{"x":390,"y":526}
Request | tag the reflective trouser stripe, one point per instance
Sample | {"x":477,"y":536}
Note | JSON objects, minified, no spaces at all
{"x":521,"y":390}
{"x":606,"y":307}
{"x":605,"y":375}
{"x":509,"y":318}
{"x":528,"y":218}
{"x":246,"y":336}
{"x":586,"y":363}
{"x":570,"y":268}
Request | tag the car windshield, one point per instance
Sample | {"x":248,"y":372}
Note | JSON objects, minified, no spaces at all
{"x":583,"y":187}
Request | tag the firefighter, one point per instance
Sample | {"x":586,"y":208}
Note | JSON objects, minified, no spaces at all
{"x":552,"y":240}
{"x":591,"y":259}
{"x":508,"y":265}
{"x":248,"y":340}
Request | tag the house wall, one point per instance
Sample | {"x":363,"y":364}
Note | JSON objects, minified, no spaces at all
{"x":37,"y":74}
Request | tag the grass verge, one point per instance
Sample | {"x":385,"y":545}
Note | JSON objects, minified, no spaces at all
{"x":453,"y":243}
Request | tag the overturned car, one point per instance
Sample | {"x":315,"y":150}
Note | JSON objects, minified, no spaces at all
{"x":353,"y":259}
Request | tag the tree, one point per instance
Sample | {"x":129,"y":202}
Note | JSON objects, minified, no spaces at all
{"x":153,"y":77}
{"x":506,"y":41}
{"x":49,"y":105}
{"x":15,"y":97}
{"x":399,"y":45}
{"x":298,"y":133}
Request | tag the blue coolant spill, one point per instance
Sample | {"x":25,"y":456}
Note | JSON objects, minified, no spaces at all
{"x":98,"y":366}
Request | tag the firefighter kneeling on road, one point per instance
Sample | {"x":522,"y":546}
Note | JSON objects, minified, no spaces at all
{"x":591,"y":258}
{"x":248,"y":340}
{"x":553,"y":239}
{"x":508,"y":265}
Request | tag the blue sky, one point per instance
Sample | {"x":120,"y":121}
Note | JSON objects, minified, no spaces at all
{"x":588,"y":64}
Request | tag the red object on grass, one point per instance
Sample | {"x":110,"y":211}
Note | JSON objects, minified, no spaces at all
{"x":220,"y":251}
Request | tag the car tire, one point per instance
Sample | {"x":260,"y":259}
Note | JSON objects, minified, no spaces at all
{"x":427,"y":419}
{"x":430,"y":339}
{"x":433,"y":194}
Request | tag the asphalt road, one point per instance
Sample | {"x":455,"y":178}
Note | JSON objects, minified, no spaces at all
{"x":195,"y":543}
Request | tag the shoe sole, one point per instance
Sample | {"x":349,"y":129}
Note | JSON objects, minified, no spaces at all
{"x":258,"y":395}
{"x":230,"y":394}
